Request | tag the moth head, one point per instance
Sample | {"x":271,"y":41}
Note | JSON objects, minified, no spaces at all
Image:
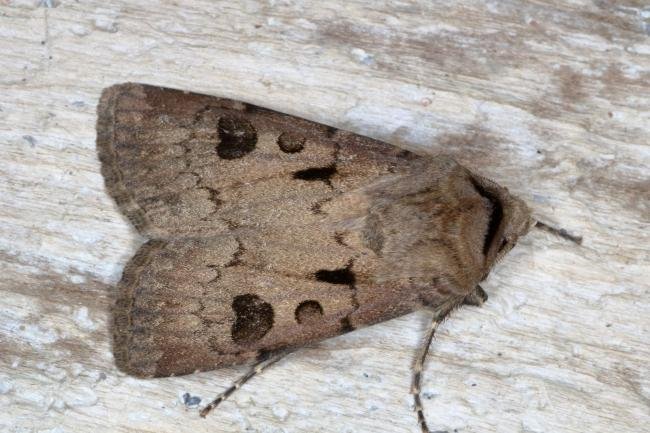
{"x":516,"y":223}
{"x":509,"y":219}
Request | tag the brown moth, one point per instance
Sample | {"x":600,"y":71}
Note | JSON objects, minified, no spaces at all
{"x":267,"y":231}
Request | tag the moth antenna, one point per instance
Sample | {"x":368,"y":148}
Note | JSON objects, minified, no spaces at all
{"x":255,"y":369}
{"x":559,"y":232}
{"x":417,"y":371}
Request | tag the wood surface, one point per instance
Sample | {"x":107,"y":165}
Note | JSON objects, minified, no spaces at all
{"x":548,"y":98}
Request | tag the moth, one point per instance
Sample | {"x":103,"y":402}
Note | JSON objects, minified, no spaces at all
{"x":267,"y":231}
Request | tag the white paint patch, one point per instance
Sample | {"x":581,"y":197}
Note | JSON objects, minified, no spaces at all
{"x":77,"y":279}
{"x":530,"y":424}
{"x":35,"y":398}
{"x":533,"y":391}
{"x":436,"y":28}
{"x":138,"y":416}
{"x":32,"y":334}
{"x":588,"y":41}
{"x":373,"y":405}
{"x":80,"y":30}
{"x":57,"y":429}
{"x":280,"y":413}
{"x":261,"y":48}
{"x":645,"y":13}
{"x":384,"y":120}
{"x":57,"y":404}
{"x":174,"y":26}
{"x":5,"y":385}
{"x":644,"y":388}
{"x":79,"y":397}
{"x":392,"y":21}
{"x":76,"y":369}
{"x":106,"y":24}
{"x":52,"y":371}
{"x":511,"y":122}
{"x":643,"y":49}
{"x":83,"y":321}
{"x":362,"y":56}
{"x":87,"y":237}
{"x":306,"y":24}
{"x":493,"y":7}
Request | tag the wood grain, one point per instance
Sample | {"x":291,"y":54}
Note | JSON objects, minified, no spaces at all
{"x":552,"y":98}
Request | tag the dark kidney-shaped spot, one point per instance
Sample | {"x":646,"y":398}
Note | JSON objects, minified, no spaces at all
{"x":309,"y":312}
{"x":290,"y":142}
{"x":254,"y":318}
{"x":237,"y":137}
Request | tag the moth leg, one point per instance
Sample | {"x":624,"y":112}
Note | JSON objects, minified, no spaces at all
{"x":417,"y":371}
{"x":255,"y":369}
{"x":476,"y":298}
{"x":563,"y":233}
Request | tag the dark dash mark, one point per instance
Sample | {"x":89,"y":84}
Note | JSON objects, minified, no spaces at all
{"x":337,"y":276}
{"x":343,"y":276}
{"x":323,"y":174}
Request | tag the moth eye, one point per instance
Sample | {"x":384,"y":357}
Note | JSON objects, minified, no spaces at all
{"x":309,"y":312}
{"x":237,"y":137}
{"x":291,"y":143}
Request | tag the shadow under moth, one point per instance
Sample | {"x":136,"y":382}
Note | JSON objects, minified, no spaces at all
{"x":267,"y":232}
